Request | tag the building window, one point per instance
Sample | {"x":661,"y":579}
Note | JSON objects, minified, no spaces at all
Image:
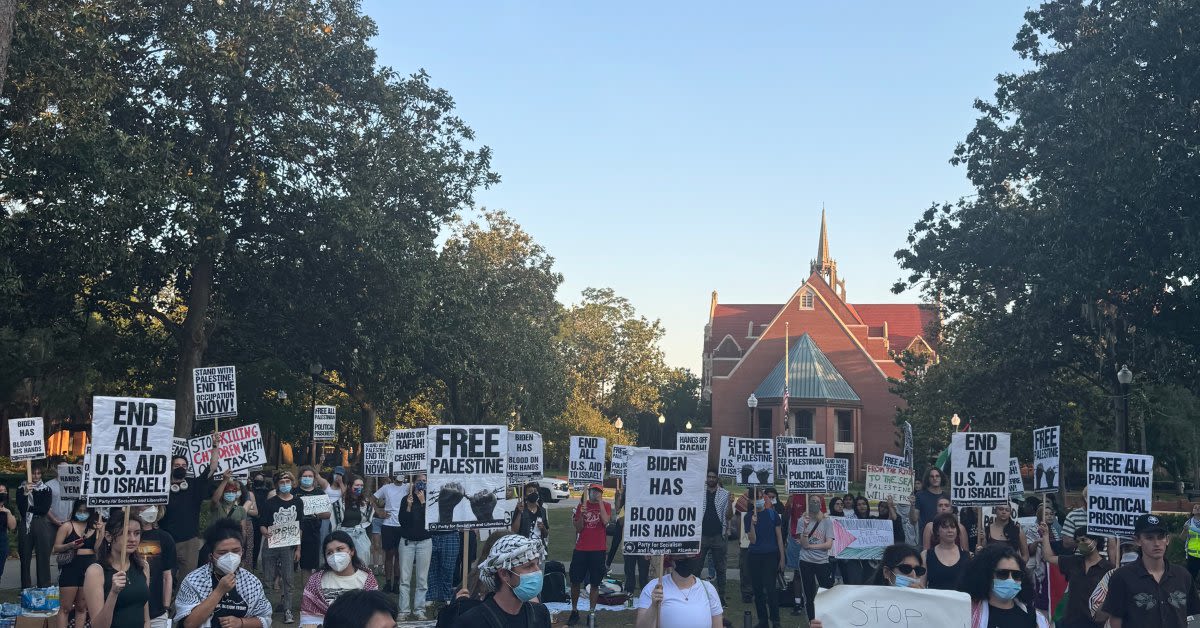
{"x":764,"y":423}
{"x":845,"y":426}
{"x":804,"y":423}
{"x":806,"y":300}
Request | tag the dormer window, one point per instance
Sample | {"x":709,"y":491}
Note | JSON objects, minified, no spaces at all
{"x":806,"y":299}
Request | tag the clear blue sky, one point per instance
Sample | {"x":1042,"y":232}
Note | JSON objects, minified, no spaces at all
{"x":669,"y":149}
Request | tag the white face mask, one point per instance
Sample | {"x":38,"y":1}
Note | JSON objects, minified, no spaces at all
{"x":338,"y":560}
{"x":149,"y":515}
{"x":228,"y":563}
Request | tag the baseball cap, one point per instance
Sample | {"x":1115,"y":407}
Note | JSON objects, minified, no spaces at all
{"x":1149,"y":523}
{"x":597,"y":486}
{"x":339,"y":471}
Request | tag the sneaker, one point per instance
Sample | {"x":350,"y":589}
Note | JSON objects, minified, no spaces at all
{"x":287,"y":617}
{"x":573,"y":619}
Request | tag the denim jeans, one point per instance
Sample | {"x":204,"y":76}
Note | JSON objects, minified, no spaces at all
{"x":418,"y":552}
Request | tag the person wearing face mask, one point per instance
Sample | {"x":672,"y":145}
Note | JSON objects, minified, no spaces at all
{"x":352,"y":515}
{"x":513,"y":570}
{"x":680,"y":600}
{"x":115,"y":586}
{"x":157,"y":548}
{"x":220,"y":593}
{"x":344,"y":571}
{"x":415,"y":551}
{"x":900,"y":566}
{"x":587,"y":561}
{"x":814,"y":535}
{"x":282,"y":508}
{"x":1000,"y":592}
{"x":765,"y":556}
{"x":8,"y":523}
{"x":76,"y":538}
{"x":310,"y":484}
{"x":182,"y":516}
{"x":235,"y":504}
{"x":260,"y":487}
{"x":1083,"y":571}
{"x":529,"y":518}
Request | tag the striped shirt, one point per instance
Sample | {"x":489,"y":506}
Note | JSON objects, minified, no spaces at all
{"x":1075,"y":518}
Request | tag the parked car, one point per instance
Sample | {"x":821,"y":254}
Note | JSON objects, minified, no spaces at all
{"x":552,"y":490}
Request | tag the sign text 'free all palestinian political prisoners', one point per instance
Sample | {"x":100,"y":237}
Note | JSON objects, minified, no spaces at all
{"x":409,"y":450}
{"x":1119,"y":490}
{"x":524,"y":457}
{"x":375,"y":460}
{"x":467,"y":478}
{"x":661,"y":512}
{"x":837,"y":475}
{"x":131,"y":451}
{"x":892,"y":460}
{"x":215,"y":390}
{"x":806,"y":469}
{"x":867,"y":606}
{"x":324,"y":423}
{"x":1045,"y":460}
{"x":885,"y":482}
{"x":687,"y":441}
{"x":754,"y":461}
{"x":241,"y":448}
{"x":980,"y":466}
{"x":587,"y":461}
{"x":26,"y":439}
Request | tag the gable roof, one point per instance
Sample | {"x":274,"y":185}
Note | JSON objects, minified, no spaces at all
{"x":905,"y":321}
{"x":810,"y":375}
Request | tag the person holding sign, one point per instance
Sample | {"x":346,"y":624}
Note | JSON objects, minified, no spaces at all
{"x":530,"y":519}
{"x":311,"y":485}
{"x":34,"y":499}
{"x":1000,"y":592}
{"x":182,"y":517}
{"x":587,"y":562}
{"x":765,"y":556}
{"x":116,"y":586}
{"x":282,"y":512}
{"x":1150,"y":592}
{"x":1083,"y":570}
{"x":219,"y":594}
{"x":679,"y":600}
{"x":814,"y":534}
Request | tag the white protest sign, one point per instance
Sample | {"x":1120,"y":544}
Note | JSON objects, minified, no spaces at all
{"x":315,"y":504}
{"x":884,"y":482}
{"x":179,"y":449}
{"x":1045,"y":460}
{"x":87,"y":469}
{"x":324,"y":423}
{"x":805,"y":469}
{"x":284,"y":534}
{"x":892,"y":460}
{"x":215,"y":389}
{"x":618,"y":465}
{"x":980,"y":464}
{"x":837,"y":475}
{"x":661,"y":513}
{"x":375,"y":460}
{"x":1119,"y":490}
{"x":1016,"y":486}
{"x":131,"y":451}
{"x":686,"y":441}
{"x":861,"y":539}
{"x":70,"y":476}
{"x":866,"y":606}
{"x":524,"y":457}
{"x":725,"y":465}
{"x":467,"y":478}
{"x":754,"y":460}
{"x":409,"y":451}
{"x":587,"y":461}
{"x":26,"y":439}
{"x":781,"y":443}
{"x":241,"y":448}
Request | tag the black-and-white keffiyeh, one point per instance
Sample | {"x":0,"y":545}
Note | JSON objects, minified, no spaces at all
{"x":511,"y":551}
{"x":198,"y":585}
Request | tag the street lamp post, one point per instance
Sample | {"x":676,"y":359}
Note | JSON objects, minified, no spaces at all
{"x":751,"y":404}
{"x":662,"y":421}
{"x":315,"y":369}
{"x":1124,"y":377}
{"x":618,"y":423}
{"x":688,"y":426}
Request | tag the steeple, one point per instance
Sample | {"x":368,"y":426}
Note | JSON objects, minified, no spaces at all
{"x":824,"y":265}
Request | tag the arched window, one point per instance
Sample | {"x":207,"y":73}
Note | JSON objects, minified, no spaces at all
{"x":806,"y":300}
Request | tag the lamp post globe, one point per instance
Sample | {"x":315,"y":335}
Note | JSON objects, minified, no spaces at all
{"x":954,"y":420}
{"x":619,"y":424}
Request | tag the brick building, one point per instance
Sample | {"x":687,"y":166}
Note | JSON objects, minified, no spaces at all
{"x":840,"y":357}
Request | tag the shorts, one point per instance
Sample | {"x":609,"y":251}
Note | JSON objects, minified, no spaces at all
{"x":792,"y":555}
{"x":390,"y":538}
{"x":71,"y":574}
{"x":588,"y":567}
{"x":376,"y":525}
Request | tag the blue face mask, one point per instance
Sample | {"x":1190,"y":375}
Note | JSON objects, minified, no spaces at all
{"x":306,"y":482}
{"x":420,"y":486}
{"x":903,"y":581}
{"x":1006,"y":589}
{"x":82,"y":516}
{"x":285,"y":488}
{"x":760,"y":504}
{"x":530,"y":587}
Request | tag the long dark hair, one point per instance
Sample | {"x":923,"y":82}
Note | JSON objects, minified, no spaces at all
{"x":93,"y":514}
{"x":977,"y":579}
{"x":893,"y":555}
{"x":858,"y":499}
{"x":348,"y":497}
{"x":1012,"y":529}
{"x":341,"y":537}
{"x":115,"y":528}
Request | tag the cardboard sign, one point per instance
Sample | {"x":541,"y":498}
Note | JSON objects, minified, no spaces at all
{"x":284,"y":534}
{"x":26,"y":439}
{"x":587,"y":461}
{"x":725,"y":464}
{"x":131,"y":451}
{"x":866,"y":606}
{"x":837,"y":476}
{"x":861,"y":539}
{"x":241,"y":448}
{"x":315,"y":504}
{"x":468,"y":478}
{"x":662,"y":515}
{"x":215,"y":389}
{"x":70,"y":476}
{"x":375,"y":460}
{"x":754,"y":461}
{"x":980,"y":464}
{"x":409,"y":451}
{"x":884,"y":482}
{"x":524,"y":457}
{"x":894,"y":461}
{"x":806,"y":469}
{"x":324,"y":423}
{"x":1016,"y":486}
{"x":1119,"y":490}
{"x":1045,"y":460}
{"x":781,"y":443}
{"x":686,"y":441}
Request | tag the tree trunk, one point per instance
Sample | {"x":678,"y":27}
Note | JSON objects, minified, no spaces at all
{"x":193,"y":342}
{"x":8,"y":14}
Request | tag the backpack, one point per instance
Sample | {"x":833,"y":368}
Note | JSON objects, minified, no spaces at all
{"x":554,"y":584}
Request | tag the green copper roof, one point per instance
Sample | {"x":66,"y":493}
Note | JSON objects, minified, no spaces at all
{"x":811,"y":376}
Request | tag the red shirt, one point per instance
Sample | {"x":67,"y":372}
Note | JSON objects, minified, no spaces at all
{"x":592,"y":537}
{"x":798,"y":506}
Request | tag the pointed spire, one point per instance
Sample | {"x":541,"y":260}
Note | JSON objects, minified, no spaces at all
{"x":823,"y":244}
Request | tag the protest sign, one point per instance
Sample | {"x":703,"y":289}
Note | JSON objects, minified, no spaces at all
{"x":587,"y":461}
{"x":618,"y":465}
{"x":725,"y":460}
{"x":686,"y":441}
{"x":1016,"y":486}
{"x":524,"y":457}
{"x":409,"y":451}
{"x":70,"y":476}
{"x":324,"y":423}
{"x":837,"y":476}
{"x":240,"y":449}
{"x":1119,"y":490}
{"x":805,"y":469}
{"x":215,"y":389}
{"x":908,"y":445}
{"x":861,"y":539}
{"x":894,"y":461}
{"x":26,"y":439}
{"x":467,"y":478}
{"x":179,"y":449}
{"x":867,"y":606}
{"x":284,"y":534}
{"x":661,"y":512}
{"x":375,"y":460}
{"x":754,"y":461}
{"x":884,"y":482}
{"x":1045,"y":460}
{"x":131,"y":451}
{"x":980,"y":464}
{"x":315,"y":504}
{"x":781,"y":443}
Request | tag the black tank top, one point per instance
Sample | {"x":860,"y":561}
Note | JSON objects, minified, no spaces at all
{"x":940,"y":576}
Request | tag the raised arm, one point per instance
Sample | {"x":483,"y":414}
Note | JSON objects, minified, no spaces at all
{"x":1047,"y":551}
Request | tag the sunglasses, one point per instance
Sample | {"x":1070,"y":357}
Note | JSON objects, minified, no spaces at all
{"x":1007,"y":574}
{"x":908,"y":570}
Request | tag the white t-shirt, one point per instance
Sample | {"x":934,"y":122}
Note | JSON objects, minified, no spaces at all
{"x":690,"y":608}
{"x":59,"y":506}
{"x":392,"y":496}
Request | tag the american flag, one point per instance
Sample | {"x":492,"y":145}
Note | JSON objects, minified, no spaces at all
{"x":785,"y":397}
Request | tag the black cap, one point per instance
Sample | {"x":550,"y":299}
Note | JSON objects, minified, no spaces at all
{"x":1149,"y":523}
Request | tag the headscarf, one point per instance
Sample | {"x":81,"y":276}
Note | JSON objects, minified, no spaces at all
{"x":510,"y":551}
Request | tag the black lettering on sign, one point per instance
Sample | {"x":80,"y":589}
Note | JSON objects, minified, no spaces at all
{"x":478,"y":442}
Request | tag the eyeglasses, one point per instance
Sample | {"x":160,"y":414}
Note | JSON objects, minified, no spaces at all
{"x":908,"y":570}
{"x":1007,"y":574}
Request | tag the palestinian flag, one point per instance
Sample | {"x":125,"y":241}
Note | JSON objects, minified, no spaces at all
{"x":943,"y":458}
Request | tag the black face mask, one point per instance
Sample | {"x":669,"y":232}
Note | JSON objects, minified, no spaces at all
{"x":683,"y":568}
{"x":531,"y":498}
{"x":178,"y":473}
{"x":4,"y":496}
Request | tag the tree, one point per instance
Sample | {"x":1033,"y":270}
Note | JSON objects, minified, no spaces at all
{"x":8,"y":12}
